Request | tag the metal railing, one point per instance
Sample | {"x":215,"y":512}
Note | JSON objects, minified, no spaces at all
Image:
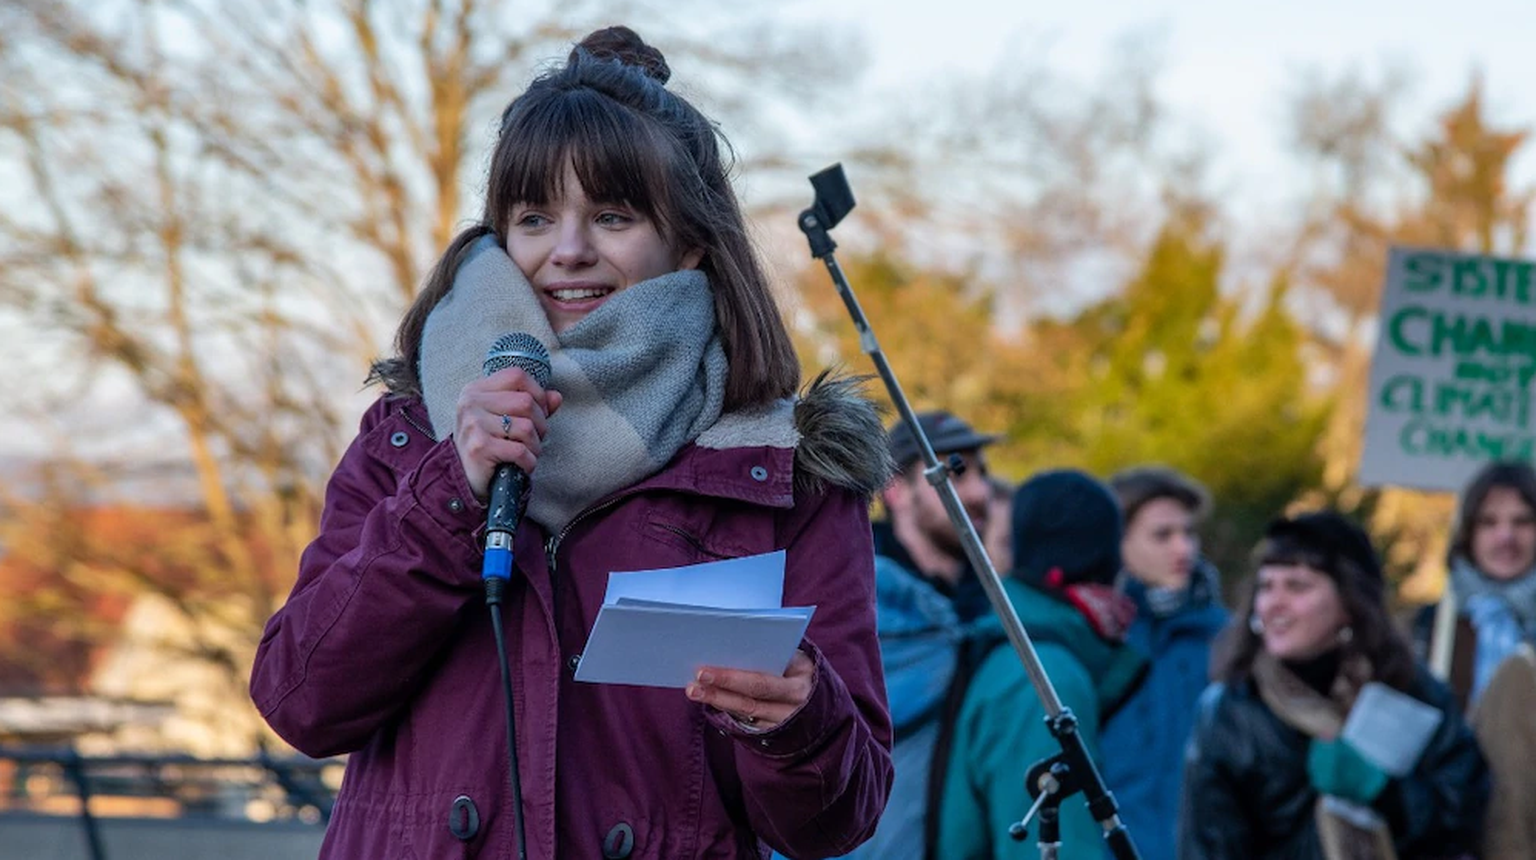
{"x":263,"y":794}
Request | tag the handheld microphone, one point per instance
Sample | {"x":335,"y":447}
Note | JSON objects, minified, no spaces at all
{"x":520,"y":350}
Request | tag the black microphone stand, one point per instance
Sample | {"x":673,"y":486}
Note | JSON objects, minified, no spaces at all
{"x":1072,"y":770}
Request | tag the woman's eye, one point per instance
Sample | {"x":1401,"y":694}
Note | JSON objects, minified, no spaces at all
{"x":531,"y":219}
{"x":613,"y":219}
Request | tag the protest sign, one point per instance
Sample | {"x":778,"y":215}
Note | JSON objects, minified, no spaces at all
{"x":1453,"y":369}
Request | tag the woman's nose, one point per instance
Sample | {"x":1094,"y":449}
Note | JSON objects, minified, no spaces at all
{"x":573,"y":247}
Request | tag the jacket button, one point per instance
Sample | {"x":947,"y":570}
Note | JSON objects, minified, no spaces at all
{"x":759,"y":474}
{"x":572,"y":662}
{"x":619,"y":843}
{"x":456,"y":504}
{"x":399,"y":438}
{"x":463,"y":818}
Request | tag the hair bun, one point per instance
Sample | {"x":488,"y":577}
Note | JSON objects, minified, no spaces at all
{"x":625,"y":45}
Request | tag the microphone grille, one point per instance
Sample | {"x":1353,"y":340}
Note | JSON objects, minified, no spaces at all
{"x":521,"y":350}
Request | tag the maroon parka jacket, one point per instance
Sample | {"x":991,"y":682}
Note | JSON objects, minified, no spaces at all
{"x":384,"y":650}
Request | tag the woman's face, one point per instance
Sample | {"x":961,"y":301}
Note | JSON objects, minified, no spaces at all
{"x":1301,"y":611}
{"x":578,"y":253}
{"x":1504,"y":535}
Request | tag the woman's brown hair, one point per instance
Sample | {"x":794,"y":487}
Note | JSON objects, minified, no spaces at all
{"x":608,"y":115}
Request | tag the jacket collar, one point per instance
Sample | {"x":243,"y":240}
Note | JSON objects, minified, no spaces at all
{"x":1117,"y":670}
{"x":888,"y":545}
{"x":966,"y":592}
{"x":1199,"y":608}
{"x":758,"y":474}
{"x":830,"y":436}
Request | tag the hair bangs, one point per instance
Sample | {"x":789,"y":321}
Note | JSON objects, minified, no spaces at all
{"x":1286,"y":552}
{"x":615,"y":155}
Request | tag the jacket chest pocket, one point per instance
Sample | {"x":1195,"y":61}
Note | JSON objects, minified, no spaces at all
{"x":710,"y":532}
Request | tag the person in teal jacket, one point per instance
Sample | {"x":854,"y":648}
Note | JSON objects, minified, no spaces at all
{"x":1066,"y":555}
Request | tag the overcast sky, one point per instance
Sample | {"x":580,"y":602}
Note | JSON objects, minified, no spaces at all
{"x":1226,"y":65}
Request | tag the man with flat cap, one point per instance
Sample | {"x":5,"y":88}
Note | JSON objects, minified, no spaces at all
{"x":917,"y":534}
{"x":926,"y":595}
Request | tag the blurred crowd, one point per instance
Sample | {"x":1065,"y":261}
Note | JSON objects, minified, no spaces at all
{"x":1301,"y":718}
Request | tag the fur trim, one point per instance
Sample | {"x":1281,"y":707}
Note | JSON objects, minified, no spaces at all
{"x":842,"y":440}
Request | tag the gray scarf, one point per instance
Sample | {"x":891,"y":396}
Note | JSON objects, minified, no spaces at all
{"x":1518,"y":594}
{"x":642,"y":376}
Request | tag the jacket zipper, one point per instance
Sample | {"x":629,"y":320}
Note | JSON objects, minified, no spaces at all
{"x":552,"y":546}
{"x":409,"y":419}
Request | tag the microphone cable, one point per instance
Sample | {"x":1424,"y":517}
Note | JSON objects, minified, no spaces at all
{"x":495,"y":588}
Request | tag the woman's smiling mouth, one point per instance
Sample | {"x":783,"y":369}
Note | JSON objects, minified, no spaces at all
{"x":577,"y":292}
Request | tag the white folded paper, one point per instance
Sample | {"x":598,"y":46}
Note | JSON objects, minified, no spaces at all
{"x":1391,"y":729}
{"x":656,"y":628}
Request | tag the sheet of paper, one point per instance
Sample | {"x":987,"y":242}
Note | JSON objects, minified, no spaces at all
{"x":685,"y":608}
{"x":1390,"y":728}
{"x":751,"y":582}
{"x":659,"y":646}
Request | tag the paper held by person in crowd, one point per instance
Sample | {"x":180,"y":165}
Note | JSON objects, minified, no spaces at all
{"x":1391,"y":729}
{"x":657,"y":627}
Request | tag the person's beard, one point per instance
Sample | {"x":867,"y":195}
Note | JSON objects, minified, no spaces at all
{"x":941,"y":532}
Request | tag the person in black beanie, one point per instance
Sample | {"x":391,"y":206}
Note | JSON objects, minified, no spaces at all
{"x":1066,"y":555}
{"x":1269,"y":772}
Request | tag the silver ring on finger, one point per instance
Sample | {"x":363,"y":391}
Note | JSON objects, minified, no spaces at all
{"x":506,"y":426}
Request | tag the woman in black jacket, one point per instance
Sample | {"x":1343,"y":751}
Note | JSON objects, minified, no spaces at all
{"x":1267,"y":774}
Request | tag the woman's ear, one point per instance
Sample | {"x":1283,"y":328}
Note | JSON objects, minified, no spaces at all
{"x":691,"y":259}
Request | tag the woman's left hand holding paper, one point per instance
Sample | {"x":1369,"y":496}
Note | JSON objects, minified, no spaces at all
{"x":757,"y":700}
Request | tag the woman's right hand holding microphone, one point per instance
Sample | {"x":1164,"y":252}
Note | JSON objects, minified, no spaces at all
{"x":502,"y":418}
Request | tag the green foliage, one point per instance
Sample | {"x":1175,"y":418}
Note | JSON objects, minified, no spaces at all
{"x":1168,"y":370}
{"x":938,"y":334}
{"x":1181,"y":375}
